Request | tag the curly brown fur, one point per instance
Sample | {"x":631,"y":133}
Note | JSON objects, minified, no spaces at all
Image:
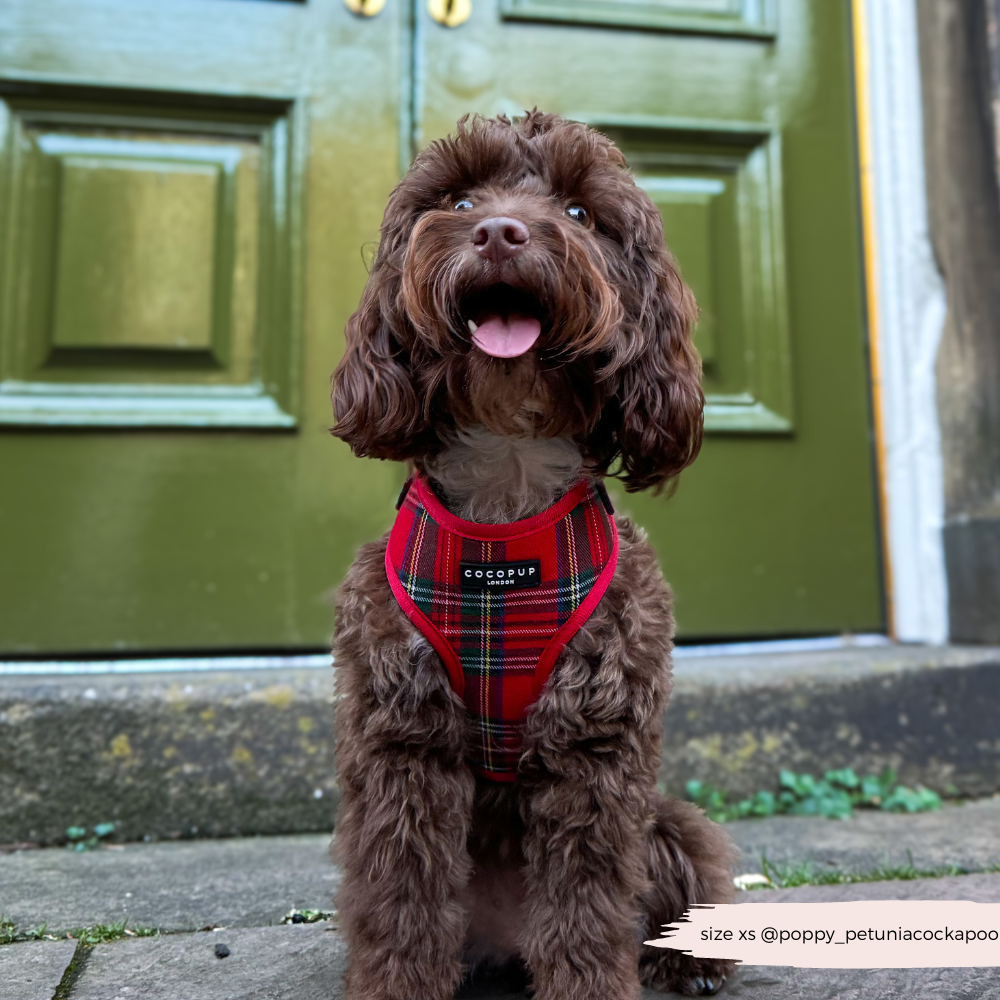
{"x":690,"y":860}
{"x":564,"y":873}
{"x":616,"y":369}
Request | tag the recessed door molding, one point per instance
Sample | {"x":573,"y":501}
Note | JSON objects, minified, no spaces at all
{"x":149,"y":263}
{"x":747,"y":18}
{"x":720,"y":183}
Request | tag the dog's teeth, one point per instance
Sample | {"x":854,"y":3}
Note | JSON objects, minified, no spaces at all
{"x":473,"y":326}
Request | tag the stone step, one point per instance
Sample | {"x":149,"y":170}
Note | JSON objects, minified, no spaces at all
{"x":236,"y":752}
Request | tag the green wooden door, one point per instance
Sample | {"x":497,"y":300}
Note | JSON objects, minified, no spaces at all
{"x":736,"y":116}
{"x":185,"y":188}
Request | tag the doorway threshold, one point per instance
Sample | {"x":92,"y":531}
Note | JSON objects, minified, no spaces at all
{"x":322,"y":661}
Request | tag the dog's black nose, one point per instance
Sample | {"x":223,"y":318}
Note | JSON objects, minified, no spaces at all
{"x":500,"y":238}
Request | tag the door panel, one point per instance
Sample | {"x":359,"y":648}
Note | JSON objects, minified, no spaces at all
{"x":719,"y":192}
{"x":171,"y":313}
{"x":149,"y":266}
{"x":741,"y":130}
{"x":730,"y":17}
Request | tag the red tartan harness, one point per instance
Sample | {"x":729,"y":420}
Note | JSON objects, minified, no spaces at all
{"x":499,"y":602}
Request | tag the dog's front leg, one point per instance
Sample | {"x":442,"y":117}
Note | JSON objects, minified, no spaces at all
{"x":403,"y":820}
{"x":406,"y":803}
{"x":586,"y":812}
{"x":583,"y":851}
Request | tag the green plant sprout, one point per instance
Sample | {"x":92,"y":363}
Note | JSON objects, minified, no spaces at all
{"x":836,"y":795}
{"x":103,"y":933}
{"x":94,"y":934}
{"x":80,"y":841}
{"x":9,"y":934}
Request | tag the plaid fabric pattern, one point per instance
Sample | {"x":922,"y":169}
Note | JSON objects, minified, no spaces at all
{"x":500,"y":645}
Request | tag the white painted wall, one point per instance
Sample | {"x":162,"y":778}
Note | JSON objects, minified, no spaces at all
{"x":910,"y":313}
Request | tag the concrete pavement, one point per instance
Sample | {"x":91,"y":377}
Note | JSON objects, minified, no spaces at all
{"x":306,"y":962}
{"x":243,"y":887}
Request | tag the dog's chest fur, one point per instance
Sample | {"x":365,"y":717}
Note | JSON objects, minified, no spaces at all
{"x":494,"y":479}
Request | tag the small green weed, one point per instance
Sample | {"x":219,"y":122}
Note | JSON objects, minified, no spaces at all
{"x":103,"y":933}
{"x":9,"y":934}
{"x":94,"y":934}
{"x":86,"y":938}
{"x":82,"y":839}
{"x":836,"y":795}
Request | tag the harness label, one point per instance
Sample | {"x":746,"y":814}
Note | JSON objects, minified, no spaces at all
{"x":500,"y":575}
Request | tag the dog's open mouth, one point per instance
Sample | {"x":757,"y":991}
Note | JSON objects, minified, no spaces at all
{"x":504,"y":321}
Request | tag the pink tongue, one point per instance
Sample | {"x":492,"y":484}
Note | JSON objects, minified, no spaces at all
{"x":507,"y":337}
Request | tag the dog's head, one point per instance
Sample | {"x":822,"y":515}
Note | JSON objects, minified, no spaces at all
{"x":522,"y":284}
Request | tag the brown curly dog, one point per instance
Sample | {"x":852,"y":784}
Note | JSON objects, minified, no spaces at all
{"x":524,"y":333}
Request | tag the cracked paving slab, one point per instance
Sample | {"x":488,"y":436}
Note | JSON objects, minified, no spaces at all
{"x":248,"y":884}
{"x":766,"y":982}
{"x":307,"y":962}
{"x":183,"y":885}
{"x":33,"y":969}
{"x":304,"y":962}
{"x":967,"y":836}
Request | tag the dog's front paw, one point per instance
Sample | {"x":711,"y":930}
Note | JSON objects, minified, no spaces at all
{"x":701,"y":986}
{"x":671,"y":971}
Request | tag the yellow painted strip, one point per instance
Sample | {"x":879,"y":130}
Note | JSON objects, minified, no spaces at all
{"x":866,"y":170}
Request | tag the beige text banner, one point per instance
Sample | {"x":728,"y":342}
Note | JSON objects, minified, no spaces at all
{"x":871,"y":934}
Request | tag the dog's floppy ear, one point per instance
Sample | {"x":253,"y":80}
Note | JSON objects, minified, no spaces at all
{"x":375,"y":402}
{"x":660,"y":400}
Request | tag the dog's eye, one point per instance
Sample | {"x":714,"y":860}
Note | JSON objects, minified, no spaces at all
{"x":463,"y":206}
{"x":577,"y":213}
